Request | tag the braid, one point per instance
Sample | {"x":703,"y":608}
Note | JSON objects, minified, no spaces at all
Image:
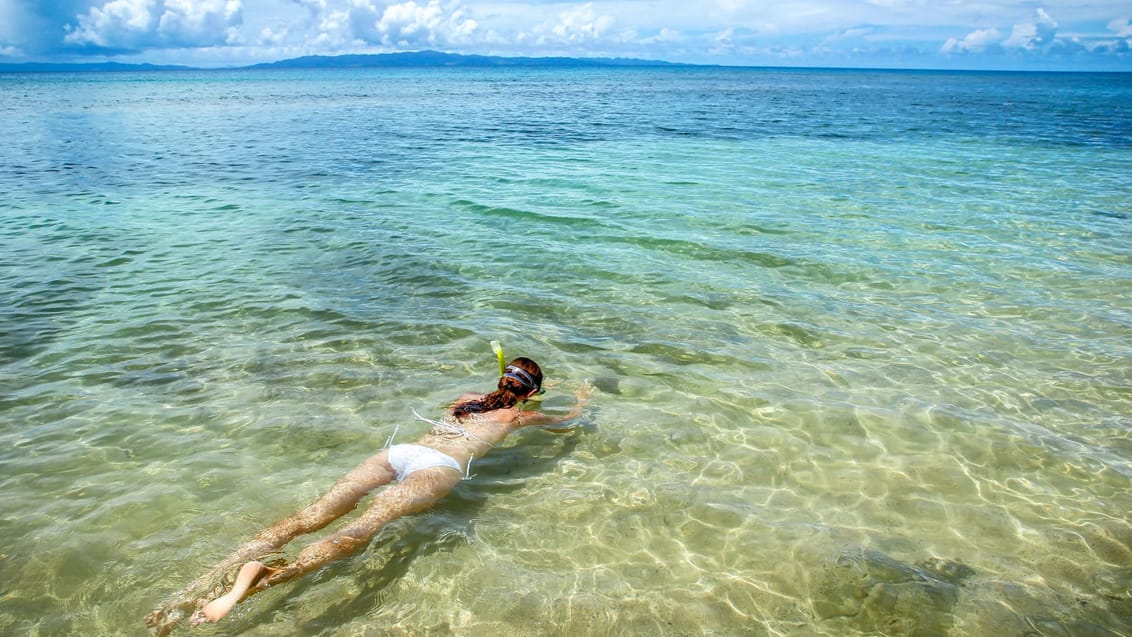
{"x":513,"y":386}
{"x":501,"y":398}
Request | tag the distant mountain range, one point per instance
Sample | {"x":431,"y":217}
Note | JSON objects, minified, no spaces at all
{"x":79,"y":67}
{"x":435,"y":58}
{"x":380,"y":60}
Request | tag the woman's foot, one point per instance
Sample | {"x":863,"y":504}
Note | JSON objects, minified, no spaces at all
{"x":215,"y":610}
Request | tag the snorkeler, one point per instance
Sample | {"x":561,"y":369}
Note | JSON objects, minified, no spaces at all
{"x":424,"y":472}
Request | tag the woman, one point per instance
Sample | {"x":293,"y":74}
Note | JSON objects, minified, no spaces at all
{"x":424,"y":471}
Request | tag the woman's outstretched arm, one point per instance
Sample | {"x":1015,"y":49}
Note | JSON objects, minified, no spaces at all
{"x":539,"y":419}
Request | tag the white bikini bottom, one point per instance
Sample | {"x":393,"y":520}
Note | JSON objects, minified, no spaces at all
{"x":408,"y":459}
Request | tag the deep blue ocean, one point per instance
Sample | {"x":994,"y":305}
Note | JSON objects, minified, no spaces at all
{"x":862,"y":342}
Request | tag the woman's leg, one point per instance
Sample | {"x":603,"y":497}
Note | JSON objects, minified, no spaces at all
{"x":249,"y":574}
{"x":342,"y":498}
{"x":339,"y":500}
{"x":416,"y":493}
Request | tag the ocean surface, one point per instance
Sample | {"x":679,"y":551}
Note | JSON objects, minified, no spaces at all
{"x":862,"y":342}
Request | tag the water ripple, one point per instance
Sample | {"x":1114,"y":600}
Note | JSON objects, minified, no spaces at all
{"x":861,"y":341}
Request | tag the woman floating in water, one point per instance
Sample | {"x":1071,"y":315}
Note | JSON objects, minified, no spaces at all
{"x":425,"y":472}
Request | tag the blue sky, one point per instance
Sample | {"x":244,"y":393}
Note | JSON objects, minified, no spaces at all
{"x":960,"y":34}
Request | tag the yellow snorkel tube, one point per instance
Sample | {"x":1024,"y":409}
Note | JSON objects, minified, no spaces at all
{"x":497,"y":347}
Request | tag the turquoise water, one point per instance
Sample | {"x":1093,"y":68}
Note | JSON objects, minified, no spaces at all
{"x":863,"y":344}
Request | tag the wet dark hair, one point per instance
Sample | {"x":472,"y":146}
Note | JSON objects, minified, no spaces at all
{"x":522,"y":376}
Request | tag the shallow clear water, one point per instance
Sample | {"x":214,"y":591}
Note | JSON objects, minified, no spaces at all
{"x":863,"y":342}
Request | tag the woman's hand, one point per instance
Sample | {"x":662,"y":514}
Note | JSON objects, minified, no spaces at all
{"x":584,"y":392}
{"x":550,"y":423}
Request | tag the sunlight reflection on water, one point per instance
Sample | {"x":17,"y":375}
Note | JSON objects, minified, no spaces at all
{"x":875,"y":383}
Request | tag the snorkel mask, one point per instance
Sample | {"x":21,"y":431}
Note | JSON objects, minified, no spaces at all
{"x":524,"y":378}
{"x":511,"y":371}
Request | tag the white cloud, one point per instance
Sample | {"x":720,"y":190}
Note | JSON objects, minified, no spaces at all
{"x":665,"y":35}
{"x":221,"y":32}
{"x":337,"y":25}
{"x":1122,"y":27}
{"x":142,"y":24}
{"x":1034,"y":35}
{"x":975,"y":42}
{"x":411,"y":25}
{"x":271,"y":37}
{"x":334,"y":29}
{"x":725,"y":39}
{"x":1038,"y":34}
{"x":577,"y":25}
{"x":847,"y":34}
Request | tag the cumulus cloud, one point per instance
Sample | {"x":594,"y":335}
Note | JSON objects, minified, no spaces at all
{"x":581,"y":24}
{"x":339,"y":25}
{"x":271,"y":37}
{"x":1122,"y":27}
{"x":665,"y":35}
{"x":1035,"y":35}
{"x":975,"y":42}
{"x":727,"y":31}
{"x":855,"y":33}
{"x":577,"y":25}
{"x":411,"y":25}
{"x":723,"y":43}
{"x":143,"y":24}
